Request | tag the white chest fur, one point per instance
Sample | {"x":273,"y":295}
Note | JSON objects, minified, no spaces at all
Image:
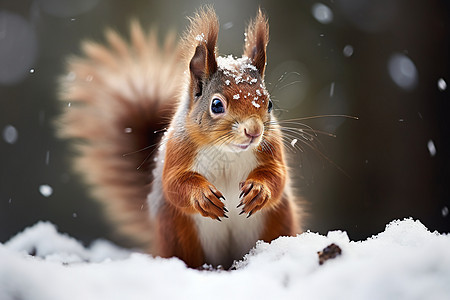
{"x":233,"y":237}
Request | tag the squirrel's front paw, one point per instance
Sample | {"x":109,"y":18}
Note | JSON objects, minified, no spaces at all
{"x":208,"y":202}
{"x":254,"y":195}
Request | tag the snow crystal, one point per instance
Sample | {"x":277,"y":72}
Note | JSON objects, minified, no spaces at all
{"x":442,"y":85}
{"x":445,"y":211}
{"x":293,"y":142}
{"x":431,"y":148}
{"x":405,"y":261}
{"x":45,"y":190}
{"x":227,"y":82}
{"x":47,"y":157}
{"x":200,"y":37}
{"x":227,"y":25}
{"x":256,"y":104}
{"x":332,"y":89}
{"x":31,"y":71}
{"x":237,"y":96}
{"x":402,"y":71}
{"x":236,"y":67}
{"x":128,"y":130}
{"x":322,"y":13}
{"x":348,"y":50}
{"x":258,"y":92}
{"x":10,"y":134}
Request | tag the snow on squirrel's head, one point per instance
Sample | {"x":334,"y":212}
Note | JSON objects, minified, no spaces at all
{"x":231,"y":89}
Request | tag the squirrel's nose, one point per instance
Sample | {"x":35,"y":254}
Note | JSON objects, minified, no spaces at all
{"x":252,"y":133}
{"x":253,"y":127}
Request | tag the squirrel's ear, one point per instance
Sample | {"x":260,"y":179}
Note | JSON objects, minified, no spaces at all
{"x":256,"y":39}
{"x":197,"y":66}
{"x":202,"y":65}
{"x":203,"y":31}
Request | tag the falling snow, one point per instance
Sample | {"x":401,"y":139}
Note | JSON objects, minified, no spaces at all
{"x":227,"y":25}
{"x":10,"y":134}
{"x":442,"y":85}
{"x":403,"y":71}
{"x":431,"y":148}
{"x":445,"y":211}
{"x":45,"y":190}
{"x":348,"y":50}
{"x":322,"y":13}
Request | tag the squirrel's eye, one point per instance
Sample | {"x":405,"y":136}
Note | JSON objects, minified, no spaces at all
{"x":270,"y":107}
{"x":217,"y":106}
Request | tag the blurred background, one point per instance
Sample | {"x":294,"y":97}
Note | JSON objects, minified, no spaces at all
{"x":386,"y":62}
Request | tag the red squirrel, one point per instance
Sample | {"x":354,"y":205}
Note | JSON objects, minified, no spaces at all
{"x":218,"y":181}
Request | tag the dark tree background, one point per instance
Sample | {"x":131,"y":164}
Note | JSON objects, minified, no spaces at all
{"x":386,"y":62}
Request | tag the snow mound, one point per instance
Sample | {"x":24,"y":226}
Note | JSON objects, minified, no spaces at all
{"x":406,"y":261}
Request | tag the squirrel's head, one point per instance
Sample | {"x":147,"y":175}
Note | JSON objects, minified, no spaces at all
{"x":229,"y":104}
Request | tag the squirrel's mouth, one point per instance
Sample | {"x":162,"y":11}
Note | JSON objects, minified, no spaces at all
{"x":242,"y":146}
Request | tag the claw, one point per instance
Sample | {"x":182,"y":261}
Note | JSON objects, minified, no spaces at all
{"x":225,"y":216}
{"x":225,"y":209}
{"x":242,"y":212}
{"x":239,"y":205}
{"x":218,"y":219}
{"x":249,"y":214}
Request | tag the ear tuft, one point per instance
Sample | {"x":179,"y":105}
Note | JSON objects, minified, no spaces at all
{"x":199,"y":46}
{"x":256,"y":39}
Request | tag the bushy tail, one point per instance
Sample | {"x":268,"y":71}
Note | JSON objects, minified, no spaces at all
{"x":116,"y":97}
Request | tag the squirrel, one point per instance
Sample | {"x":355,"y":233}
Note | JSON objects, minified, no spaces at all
{"x":218,"y":179}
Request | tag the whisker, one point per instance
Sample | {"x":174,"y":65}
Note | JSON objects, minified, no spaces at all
{"x":323,"y":116}
{"x":140,"y":150}
{"x":144,"y":161}
{"x":160,"y":130}
{"x":295,"y":133}
{"x":268,"y":145}
{"x":288,"y":143}
{"x":296,"y":123}
{"x":290,"y":137}
{"x":315,"y":131}
{"x":282,"y":78}
{"x":289,"y":84}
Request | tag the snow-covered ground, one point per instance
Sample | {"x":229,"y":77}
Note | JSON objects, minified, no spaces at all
{"x":406,"y":261}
